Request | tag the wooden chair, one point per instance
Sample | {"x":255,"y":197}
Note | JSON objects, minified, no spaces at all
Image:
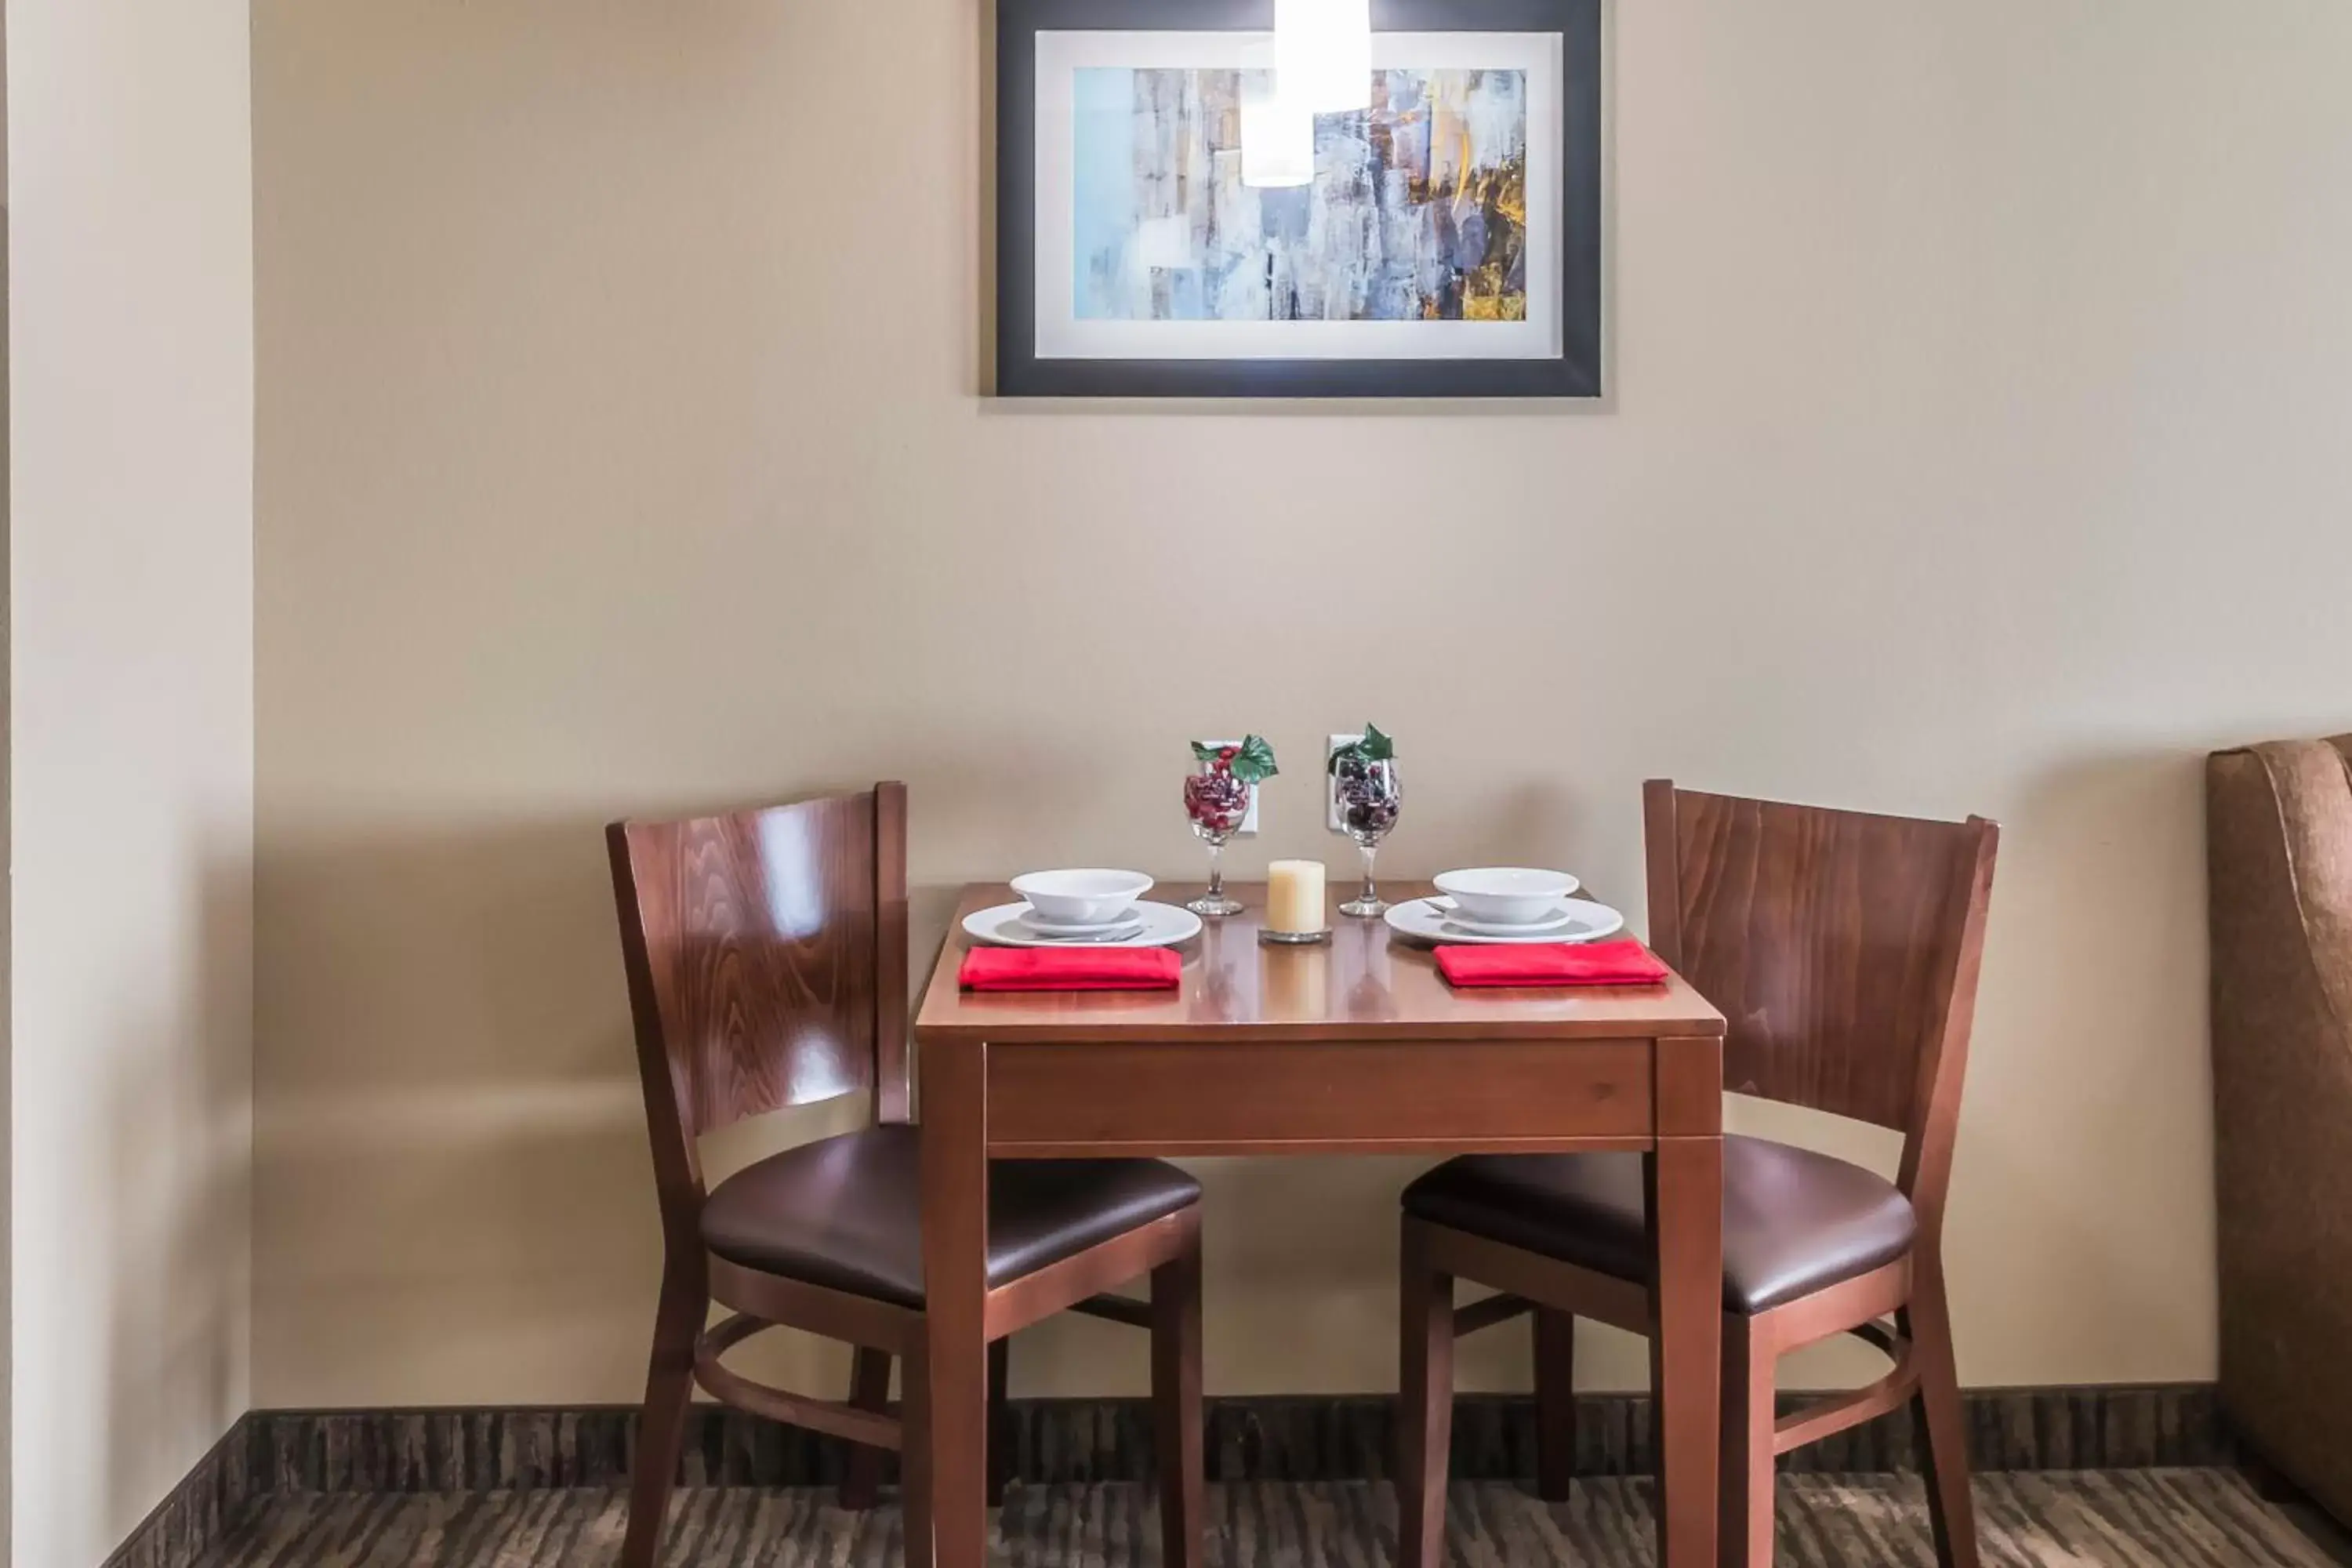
{"x":767,"y":964}
{"x":1843,"y":950}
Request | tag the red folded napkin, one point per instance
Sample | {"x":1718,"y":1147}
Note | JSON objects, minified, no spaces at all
{"x":1069,"y":969}
{"x":1621,"y":962}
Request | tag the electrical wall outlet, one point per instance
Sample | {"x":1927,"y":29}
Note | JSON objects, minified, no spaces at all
{"x":1248,"y":829}
{"x":1330,"y":785}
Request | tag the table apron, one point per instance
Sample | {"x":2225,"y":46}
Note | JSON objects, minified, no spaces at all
{"x":1108,"y":1097}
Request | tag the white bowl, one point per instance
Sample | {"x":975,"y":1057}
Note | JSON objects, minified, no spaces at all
{"x":1507,"y":895}
{"x":1088,"y":897}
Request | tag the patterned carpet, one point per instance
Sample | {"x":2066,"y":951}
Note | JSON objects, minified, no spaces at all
{"x":2139,"y":1519}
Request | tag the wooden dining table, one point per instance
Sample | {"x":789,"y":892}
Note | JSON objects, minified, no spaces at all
{"x":1353,"y":1047}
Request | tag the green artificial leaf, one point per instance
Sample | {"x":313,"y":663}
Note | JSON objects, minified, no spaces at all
{"x":1371,"y":746}
{"x":1201,"y":754}
{"x":1253,"y":764}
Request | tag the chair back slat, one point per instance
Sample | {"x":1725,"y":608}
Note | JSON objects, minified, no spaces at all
{"x":757,"y":943}
{"x":1840,"y":947}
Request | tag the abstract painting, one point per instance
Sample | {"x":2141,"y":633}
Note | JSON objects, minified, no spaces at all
{"x":1443,"y":241}
{"x":1417,"y":211}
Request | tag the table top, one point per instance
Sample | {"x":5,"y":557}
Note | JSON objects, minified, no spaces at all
{"x":1365,"y":984}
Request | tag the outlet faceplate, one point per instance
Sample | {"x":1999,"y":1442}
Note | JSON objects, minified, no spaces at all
{"x":1330,"y":788}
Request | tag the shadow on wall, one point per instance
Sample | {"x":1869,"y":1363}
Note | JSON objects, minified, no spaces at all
{"x":455,"y":1187}
{"x":456,"y":1199}
{"x":2092,"y":1066}
{"x":175,"y":1204}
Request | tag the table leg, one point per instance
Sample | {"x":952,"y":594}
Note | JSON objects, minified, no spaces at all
{"x":1176,"y":1404}
{"x":954,"y":1120}
{"x":1686,"y":1208}
{"x":1424,"y":1403}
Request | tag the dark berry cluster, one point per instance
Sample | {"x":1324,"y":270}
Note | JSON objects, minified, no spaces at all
{"x":1369,"y":798}
{"x":1364,"y":784}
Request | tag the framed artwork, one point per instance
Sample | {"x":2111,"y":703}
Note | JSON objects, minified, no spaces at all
{"x":1445,"y":243}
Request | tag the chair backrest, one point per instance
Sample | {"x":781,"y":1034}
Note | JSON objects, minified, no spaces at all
{"x":1842,"y":948}
{"x":766,"y":953}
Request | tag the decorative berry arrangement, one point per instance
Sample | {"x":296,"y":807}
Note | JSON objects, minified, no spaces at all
{"x":1365,"y":785}
{"x":1216,"y":797}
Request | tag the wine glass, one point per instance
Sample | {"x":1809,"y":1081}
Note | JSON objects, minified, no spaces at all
{"x":1216,"y":802}
{"x":1368,"y":794}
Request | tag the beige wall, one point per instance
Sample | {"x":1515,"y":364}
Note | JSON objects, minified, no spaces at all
{"x":7,"y":1361}
{"x":1978,"y":442}
{"x":131,"y":326}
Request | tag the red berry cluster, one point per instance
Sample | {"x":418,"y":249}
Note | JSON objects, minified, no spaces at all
{"x":1215,"y":799}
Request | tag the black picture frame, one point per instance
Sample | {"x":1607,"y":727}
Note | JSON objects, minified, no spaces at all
{"x":1576,"y":372}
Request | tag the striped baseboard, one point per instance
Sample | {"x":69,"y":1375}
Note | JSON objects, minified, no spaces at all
{"x":199,"y":1508}
{"x":1275,"y":1439}
{"x":1270,"y":1439}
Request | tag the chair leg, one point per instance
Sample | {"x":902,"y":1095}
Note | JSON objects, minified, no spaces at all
{"x":1426,"y":1403}
{"x":869,"y":1389}
{"x":1000,"y":1421}
{"x":661,"y":1425}
{"x":1935,"y":1417}
{"x":1743,"y":1532}
{"x":1555,"y":1334}
{"x":1176,"y":1406}
{"x":914,"y":1458}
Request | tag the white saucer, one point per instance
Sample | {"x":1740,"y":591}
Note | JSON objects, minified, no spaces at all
{"x":1080,"y":936}
{"x":1006,"y":925}
{"x":1423,"y":921}
{"x":1549,"y":924}
{"x":1126,"y":924}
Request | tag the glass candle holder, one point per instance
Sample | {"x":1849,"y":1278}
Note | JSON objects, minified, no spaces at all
{"x":1216,"y":804}
{"x":1370,"y":795}
{"x":1294,"y":902}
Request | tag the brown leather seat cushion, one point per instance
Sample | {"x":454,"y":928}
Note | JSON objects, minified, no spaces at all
{"x":844,"y":1212}
{"x":1794,"y":1221}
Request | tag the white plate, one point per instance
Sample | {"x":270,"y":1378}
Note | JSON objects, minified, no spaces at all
{"x":1125,"y":925}
{"x":1546,"y":926}
{"x":1423,"y":921}
{"x":1164,"y":925}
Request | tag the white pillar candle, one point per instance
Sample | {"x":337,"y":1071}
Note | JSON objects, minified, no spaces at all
{"x":1294,"y":895}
